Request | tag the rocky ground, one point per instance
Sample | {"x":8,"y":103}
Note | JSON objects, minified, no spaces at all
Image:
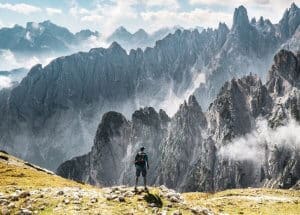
{"x":27,"y":189}
{"x":115,"y":200}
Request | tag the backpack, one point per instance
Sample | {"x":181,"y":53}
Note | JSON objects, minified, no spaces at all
{"x":140,"y":159}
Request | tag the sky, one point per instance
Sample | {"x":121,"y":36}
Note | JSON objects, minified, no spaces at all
{"x":106,"y":15}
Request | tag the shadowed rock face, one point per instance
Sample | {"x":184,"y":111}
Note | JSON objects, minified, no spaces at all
{"x":185,"y":150}
{"x":53,"y":113}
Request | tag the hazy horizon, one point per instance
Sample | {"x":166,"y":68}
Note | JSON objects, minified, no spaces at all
{"x":107,"y":15}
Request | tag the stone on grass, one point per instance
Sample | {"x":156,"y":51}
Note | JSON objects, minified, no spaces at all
{"x":24,"y":194}
{"x":94,"y":200}
{"x":177,"y":213}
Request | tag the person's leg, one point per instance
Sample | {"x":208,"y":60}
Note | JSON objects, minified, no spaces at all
{"x":145,"y":182}
{"x":137,"y":174}
{"x":144,"y":174}
{"x":136,"y":182}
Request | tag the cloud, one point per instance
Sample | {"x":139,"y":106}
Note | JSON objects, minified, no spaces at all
{"x":21,"y":8}
{"x":150,"y":15}
{"x":169,"y":4}
{"x":251,"y":146}
{"x":229,"y":2}
{"x":107,"y":16}
{"x":272,"y":10}
{"x":5,"y":82}
{"x":196,"y":17}
{"x":53,"y":11}
{"x":92,"y":18}
{"x":10,"y":61}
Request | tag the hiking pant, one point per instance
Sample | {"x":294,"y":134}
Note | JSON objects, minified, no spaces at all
{"x":141,"y":169}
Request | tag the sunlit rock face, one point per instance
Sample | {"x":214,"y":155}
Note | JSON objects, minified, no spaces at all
{"x":204,"y":151}
{"x":53,"y":114}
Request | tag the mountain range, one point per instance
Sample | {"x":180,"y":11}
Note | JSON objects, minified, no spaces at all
{"x":53,"y":114}
{"x":41,"y":38}
{"x":140,"y":38}
{"x":195,"y":150}
{"x":23,"y":47}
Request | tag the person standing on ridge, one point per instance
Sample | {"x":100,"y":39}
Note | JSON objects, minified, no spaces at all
{"x":141,"y":162}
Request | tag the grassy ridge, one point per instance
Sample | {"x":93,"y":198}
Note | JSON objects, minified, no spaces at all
{"x":51,"y":194}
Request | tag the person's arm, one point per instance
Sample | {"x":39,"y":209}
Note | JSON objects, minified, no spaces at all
{"x":135,"y":159}
{"x":147,"y":161}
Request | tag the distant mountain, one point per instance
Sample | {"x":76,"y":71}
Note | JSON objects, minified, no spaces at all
{"x":141,"y":39}
{"x":52,"y":115}
{"x":200,"y":151}
{"x":40,"y":38}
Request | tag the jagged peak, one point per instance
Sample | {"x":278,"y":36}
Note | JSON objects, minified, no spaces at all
{"x":178,"y":32}
{"x":147,"y":116}
{"x":253,"y":21}
{"x":191,"y":108}
{"x":145,"y":111}
{"x":141,"y":31}
{"x":111,"y":120}
{"x":112,"y":117}
{"x":261,"y":20}
{"x":33,"y":71}
{"x":121,"y":29}
{"x":294,"y":6}
{"x":111,"y":124}
{"x":243,"y":83}
{"x":192,"y":101}
{"x":36,"y":67}
{"x":293,"y":9}
{"x":48,"y":23}
{"x":240,"y":17}
{"x":115,"y":46}
{"x":163,"y":115}
{"x":223,"y":26}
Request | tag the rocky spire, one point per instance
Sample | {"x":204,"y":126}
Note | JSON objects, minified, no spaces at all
{"x":289,"y":22}
{"x":240,"y":17}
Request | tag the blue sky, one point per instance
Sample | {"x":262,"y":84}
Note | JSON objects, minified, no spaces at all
{"x":106,"y":15}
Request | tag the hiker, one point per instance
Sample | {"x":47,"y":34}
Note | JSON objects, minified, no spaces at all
{"x":141,"y":162}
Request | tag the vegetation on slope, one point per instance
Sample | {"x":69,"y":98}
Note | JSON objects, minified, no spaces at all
{"x":28,"y":189}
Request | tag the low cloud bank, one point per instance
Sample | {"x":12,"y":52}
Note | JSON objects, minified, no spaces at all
{"x":251,"y":147}
{"x":10,"y":61}
{"x":5,"y":82}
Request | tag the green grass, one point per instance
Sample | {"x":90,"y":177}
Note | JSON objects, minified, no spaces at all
{"x":14,"y":174}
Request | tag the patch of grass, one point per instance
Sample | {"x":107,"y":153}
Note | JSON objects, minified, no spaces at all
{"x":16,"y":173}
{"x":249,"y":201}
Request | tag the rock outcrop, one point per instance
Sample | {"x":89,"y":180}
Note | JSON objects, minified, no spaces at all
{"x":188,"y":151}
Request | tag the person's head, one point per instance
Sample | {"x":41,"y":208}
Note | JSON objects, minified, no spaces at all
{"x":142,"y":148}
